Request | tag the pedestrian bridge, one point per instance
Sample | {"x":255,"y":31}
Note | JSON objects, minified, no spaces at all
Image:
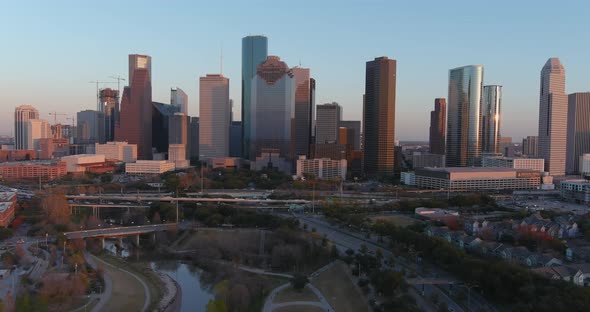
{"x":120,"y":231}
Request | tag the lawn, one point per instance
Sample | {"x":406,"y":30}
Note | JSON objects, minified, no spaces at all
{"x":289,"y":294}
{"x":339,"y":290}
{"x":127,"y":294}
{"x":401,"y":221}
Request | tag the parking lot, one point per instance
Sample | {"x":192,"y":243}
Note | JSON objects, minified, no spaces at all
{"x":547,"y":204}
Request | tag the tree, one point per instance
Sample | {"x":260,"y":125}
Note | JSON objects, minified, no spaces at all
{"x":299,"y":281}
{"x":56,"y":208}
{"x":363,"y":249}
{"x":442,"y":307}
{"x":216,"y":305}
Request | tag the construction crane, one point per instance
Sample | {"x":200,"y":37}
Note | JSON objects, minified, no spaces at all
{"x":118,"y":78}
{"x":73,"y":119}
{"x":98,"y":106}
{"x":55,"y":114}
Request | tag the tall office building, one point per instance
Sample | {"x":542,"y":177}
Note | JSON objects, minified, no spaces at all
{"x":214,"y":110}
{"x":553,"y":117}
{"x":177,"y":129}
{"x":379,"y":116}
{"x":235,"y":139}
{"x":179,"y":99}
{"x":271,"y":110}
{"x":303,"y":111}
{"x":161,"y":116}
{"x":328,"y":118}
{"x":135,"y":126}
{"x":90,"y":127}
{"x":254,"y":52}
{"x":194,"y":138}
{"x":353,"y":130}
{"x":109,"y":100}
{"x":464,"y":116}
{"x":490,"y":118}
{"x":22,"y":114}
{"x":36,"y":131}
{"x":578,"y":129}
{"x":529,"y":146}
{"x":438,"y":127}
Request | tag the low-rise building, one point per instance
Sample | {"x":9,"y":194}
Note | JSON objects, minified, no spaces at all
{"x":177,"y":155}
{"x":117,"y":151}
{"x":33,"y":170}
{"x":408,"y":178}
{"x":537,"y":164}
{"x":7,"y":207}
{"x":225,"y":162}
{"x":83,"y":162}
{"x":321,"y":168}
{"x":477,"y":178}
{"x":575,"y":190}
{"x":422,"y":160}
{"x":142,"y":167}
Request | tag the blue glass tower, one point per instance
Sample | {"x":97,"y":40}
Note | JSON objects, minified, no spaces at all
{"x":254,"y":52}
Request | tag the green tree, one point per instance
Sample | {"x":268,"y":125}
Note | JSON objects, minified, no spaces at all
{"x":216,"y":305}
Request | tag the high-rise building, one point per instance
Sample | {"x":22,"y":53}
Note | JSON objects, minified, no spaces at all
{"x":90,"y":127}
{"x":353,"y":130}
{"x":194,"y":138}
{"x":178,"y":132}
{"x":553,"y":117}
{"x":254,"y":52}
{"x":235,"y":139}
{"x":529,"y":146}
{"x":22,"y":115}
{"x":179,"y":99}
{"x":464,"y":116}
{"x":214,"y":110}
{"x":161,"y":114}
{"x":490,"y":118}
{"x":135,"y":124}
{"x":327,"y":123}
{"x":271,"y":110}
{"x":109,"y":100}
{"x":438,"y":127}
{"x":379,"y":116}
{"x":36,"y":130}
{"x":118,"y":151}
{"x":303,"y":111}
{"x":578,"y":130}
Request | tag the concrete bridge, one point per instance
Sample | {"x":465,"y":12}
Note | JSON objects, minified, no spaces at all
{"x":120,"y":231}
{"x":139,"y":198}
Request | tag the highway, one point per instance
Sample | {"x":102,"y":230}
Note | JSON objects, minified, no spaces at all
{"x":185,"y":199}
{"x":120,"y":231}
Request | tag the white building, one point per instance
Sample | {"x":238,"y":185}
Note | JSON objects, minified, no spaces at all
{"x":37,"y":129}
{"x":79,"y":163}
{"x":575,"y":190}
{"x":321,"y":168}
{"x":120,"y":151}
{"x":537,"y":164}
{"x":177,"y":155}
{"x":478,"y":178}
{"x":408,"y":178}
{"x":22,"y":115}
{"x":149,"y":167}
{"x":585,"y":165}
{"x":214,"y":111}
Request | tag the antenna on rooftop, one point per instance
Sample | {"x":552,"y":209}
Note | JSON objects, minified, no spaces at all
{"x":221,"y":60}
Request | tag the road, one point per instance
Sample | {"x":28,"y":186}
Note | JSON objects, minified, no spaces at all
{"x":120,"y":231}
{"x":345,"y":240}
{"x":185,"y":199}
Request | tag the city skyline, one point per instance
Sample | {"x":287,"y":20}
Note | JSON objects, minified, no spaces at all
{"x":61,"y":80}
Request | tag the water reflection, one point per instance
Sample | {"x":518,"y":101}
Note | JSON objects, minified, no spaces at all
{"x":195,"y":293}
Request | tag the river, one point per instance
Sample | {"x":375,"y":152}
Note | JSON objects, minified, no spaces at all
{"x":195,"y":295}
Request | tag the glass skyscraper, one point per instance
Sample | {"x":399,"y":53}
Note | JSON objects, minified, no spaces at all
{"x":464,"y":144}
{"x":491,"y":117}
{"x":254,"y":52}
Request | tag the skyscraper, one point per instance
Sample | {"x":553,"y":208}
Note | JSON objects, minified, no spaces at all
{"x":214,"y":110}
{"x":179,"y":99}
{"x":254,"y":52}
{"x":379,"y":116}
{"x":36,"y":131}
{"x":529,"y":146}
{"x":438,"y":127}
{"x":272,"y":109}
{"x":194,"y":138}
{"x":553,"y":117}
{"x":303,"y":111}
{"x":464,"y":116}
{"x":177,"y":129}
{"x":22,"y":114}
{"x":135,"y":126}
{"x":90,"y":127}
{"x":490,"y":118}
{"x":235,"y":139}
{"x":109,"y":100}
{"x":578,"y":129}
{"x":353,"y":129}
{"x":327,"y":123}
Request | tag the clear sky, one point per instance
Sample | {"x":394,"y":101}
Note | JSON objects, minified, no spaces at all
{"x":50,"y":50}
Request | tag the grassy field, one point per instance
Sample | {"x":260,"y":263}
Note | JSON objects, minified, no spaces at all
{"x":289,"y":294}
{"x":344,"y":297}
{"x":401,"y":221}
{"x":127,"y":294}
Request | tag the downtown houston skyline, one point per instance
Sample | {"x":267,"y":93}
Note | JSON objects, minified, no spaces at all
{"x":50,"y":70}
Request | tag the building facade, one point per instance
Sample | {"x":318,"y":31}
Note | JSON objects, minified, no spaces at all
{"x":179,"y":99}
{"x":537,"y":164}
{"x":149,"y":167}
{"x":37,"y":130}
{"x":22,"y":115}
{"x":490,"y":118}
{"x":177,"y":155}
{"x":553,"y":117}
{"x":272,"y":109}
{"x":576,"y":191}
{"x":33,"y":170}
{"x":464,"y":116}
{"x":90,"y":127}
{"x":321,"y":168}
{"x":421,"y":160}
{"x":530,"y":146}
{"x":194,"y":138}
{"x":214,"y":115}
{"x":81,"y":162}
{"x":109,"y":103}
{"x":117,"y":151}
{"x":379,"y":116}
{"x":254,"y":52}
{"x":353,"y":129}
{"x":477,"y":178}
{"x":303,"y":111}
{"x":438,"y":127}
{"x":235,"y":139}
{"x":7,"y":208}
{"x":328,"y":118}
{"x":578,"y":130}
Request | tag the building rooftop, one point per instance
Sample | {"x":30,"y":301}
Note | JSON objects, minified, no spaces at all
{"x":7,"y":196}
{"x":4,"y":206}
{"x":476,"y":169}
{"x":30,"y":162}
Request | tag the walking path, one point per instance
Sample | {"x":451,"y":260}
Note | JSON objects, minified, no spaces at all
{"x":108,"y":284}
